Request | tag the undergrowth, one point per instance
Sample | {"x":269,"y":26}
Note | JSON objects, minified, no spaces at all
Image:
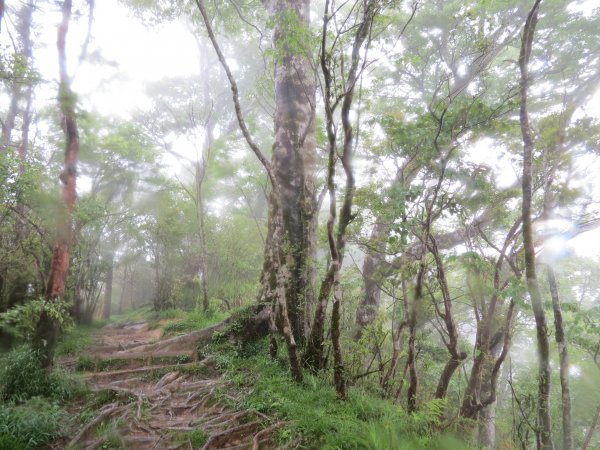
{"x":22,"y":377}
{"x":31,"y":425}
{"x":31,"y":399}
{"x":316,"y":418}
{"x":191,"y":321}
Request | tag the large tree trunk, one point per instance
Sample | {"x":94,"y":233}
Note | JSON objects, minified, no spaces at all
{"x":282,"y":265}
{"x":47,"y":327}
{"x":530,"y":269}
{"x":294,"y":151}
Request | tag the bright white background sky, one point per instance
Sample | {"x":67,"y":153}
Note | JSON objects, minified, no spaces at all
{"x":140,"y":55}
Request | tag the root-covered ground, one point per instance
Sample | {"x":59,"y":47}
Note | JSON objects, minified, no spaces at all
{"x":156,"y":396}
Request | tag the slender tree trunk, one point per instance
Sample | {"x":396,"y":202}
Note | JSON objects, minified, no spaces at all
{"x":397,"y":342}
{"x":26,"y":94}
{"x":545,"y":422}
{"x":563,"y":353}
{"x":337,"y":241}
{"x":47,"y":327}
{"x":551,"y":155}
{"x":590,"y":433}
{"x":108,"y":286}
{"x":200,"y":210}
{"x":413,"y":377}
{"x":456,"y":355}
{"x":201,"y":166}
{"x":123,"y":286}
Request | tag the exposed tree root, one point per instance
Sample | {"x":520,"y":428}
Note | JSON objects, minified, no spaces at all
{"x":100,"y":418}
{"x":264,"y":432}
{"x":160,"y":412}
{"x":230,"y":435}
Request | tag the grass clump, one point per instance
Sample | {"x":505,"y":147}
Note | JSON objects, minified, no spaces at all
{"x":110,"y":436}
{"x":31,"y":425}
{"x":197,"y":438}
{"x":193,"y":439}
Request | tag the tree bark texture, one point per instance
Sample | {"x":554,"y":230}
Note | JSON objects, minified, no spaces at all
{"x":413,"y":376}
{"x":545,"y":422}
{"x":47,"y":328}
{"x":279,"y":274}
{"x":294,"y":152}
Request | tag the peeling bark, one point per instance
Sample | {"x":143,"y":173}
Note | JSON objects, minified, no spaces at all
{"x":294,"y":153}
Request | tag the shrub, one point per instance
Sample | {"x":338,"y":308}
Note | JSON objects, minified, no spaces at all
{"x":22,"y":377}
{"x":31,"y":425}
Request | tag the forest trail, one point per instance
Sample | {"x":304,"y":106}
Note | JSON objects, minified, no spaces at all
{"x":157,"y":397}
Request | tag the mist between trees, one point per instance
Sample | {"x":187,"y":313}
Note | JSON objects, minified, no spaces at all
{"x":408,"y":188}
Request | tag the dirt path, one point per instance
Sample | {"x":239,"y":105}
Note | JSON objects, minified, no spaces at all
{"x":162,"y":399}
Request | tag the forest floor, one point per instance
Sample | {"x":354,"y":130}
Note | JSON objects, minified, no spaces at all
{"x":150,"y":393}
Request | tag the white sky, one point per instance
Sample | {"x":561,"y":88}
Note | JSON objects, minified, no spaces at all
{"x":140,"y":55}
